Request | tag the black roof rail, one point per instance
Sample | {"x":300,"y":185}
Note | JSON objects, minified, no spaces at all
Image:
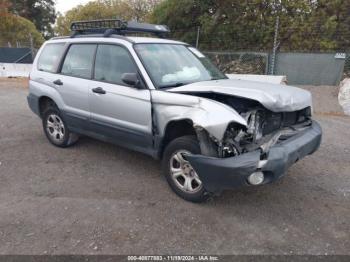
{"x":108,"y":27}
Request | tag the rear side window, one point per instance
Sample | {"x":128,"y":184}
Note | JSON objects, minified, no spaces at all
{"x":50,"y":57}
{"x":112,"y":62}
{"x":79,"y":60}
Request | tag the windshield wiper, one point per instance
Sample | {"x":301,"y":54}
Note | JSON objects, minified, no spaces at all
{"x":218,"y":78}
{"x":172,"y":85}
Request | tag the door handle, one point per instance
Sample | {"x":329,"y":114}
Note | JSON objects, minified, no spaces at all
{"x":99,"y":90}
{"x":58,"y":82}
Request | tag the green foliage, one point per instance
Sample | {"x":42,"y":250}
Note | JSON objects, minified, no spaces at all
{"x":234,"y":24}
{"x":41,"y":12}
{"x":14,"y":29}
{"x":103,"y":9}
{"x":182,"y":16}
{"x":4,"y":6}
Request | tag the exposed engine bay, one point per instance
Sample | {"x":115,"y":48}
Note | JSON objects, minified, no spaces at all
{"x":265,"y":128}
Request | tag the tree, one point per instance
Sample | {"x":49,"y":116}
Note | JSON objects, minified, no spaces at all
{"x":4,"y":6}
{"x":103,"y":9}
{"x":41,"y":12}
{"x":15,"y":29}
{"x":140,"y":10}
{"x":331,"y":25}
{"x":235,"y":24}
{"x":224,"y":24}
{"x":182,"y":16}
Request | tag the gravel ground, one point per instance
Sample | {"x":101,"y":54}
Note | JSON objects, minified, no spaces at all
{"x":95,"y":198}
{"x":325,"y":99}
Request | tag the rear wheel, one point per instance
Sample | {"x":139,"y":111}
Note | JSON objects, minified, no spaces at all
{"x":179,"y":173}
{"x":56,"y":129}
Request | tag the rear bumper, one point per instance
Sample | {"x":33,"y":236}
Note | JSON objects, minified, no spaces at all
{"x":218,"y":174}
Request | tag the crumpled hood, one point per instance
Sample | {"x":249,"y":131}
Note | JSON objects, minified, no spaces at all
{"x":277,"y":98}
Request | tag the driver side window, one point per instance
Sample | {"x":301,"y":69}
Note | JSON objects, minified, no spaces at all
{"x":112,"y":62}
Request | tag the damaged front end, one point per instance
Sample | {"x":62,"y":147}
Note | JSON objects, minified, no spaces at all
{"x":264,"y":129}
{"x":256,"y":153}
{"x":241,"y":141}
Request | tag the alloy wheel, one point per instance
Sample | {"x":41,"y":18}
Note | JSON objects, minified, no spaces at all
{"x":55,"y":128}
{"x":183,"y":174}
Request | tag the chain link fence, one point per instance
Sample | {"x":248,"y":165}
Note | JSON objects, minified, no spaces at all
{"x":17,"y":51}
{"x":299,"y":68}
{"x":305,"y":66}
{"x":240,"y":62}
{"x":16,"y":44}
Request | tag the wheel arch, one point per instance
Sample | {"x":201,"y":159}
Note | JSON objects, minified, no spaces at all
{"x":175,"y":129}
{"x":44,"y":102}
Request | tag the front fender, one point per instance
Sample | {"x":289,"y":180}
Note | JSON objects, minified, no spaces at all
{"x":211,"y":115}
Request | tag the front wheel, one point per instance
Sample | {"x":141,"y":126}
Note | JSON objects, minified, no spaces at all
{"x":181,"y":176}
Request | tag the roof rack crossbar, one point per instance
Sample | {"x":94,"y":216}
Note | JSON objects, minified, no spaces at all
{"x":108,"y":27}
{"x":98,"y":25}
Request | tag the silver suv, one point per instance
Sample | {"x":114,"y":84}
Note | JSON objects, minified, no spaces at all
{"x":166,"y":99}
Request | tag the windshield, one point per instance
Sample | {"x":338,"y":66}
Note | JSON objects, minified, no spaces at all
{"x":171,"y":65}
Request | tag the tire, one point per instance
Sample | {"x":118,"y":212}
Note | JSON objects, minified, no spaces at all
{"x":180,"y":175}
{"x":53,"y":123}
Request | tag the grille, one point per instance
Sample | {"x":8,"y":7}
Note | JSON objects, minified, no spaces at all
{"x":289,"y":119}
{"x":271,"y":122}
{"x":274,"y":121}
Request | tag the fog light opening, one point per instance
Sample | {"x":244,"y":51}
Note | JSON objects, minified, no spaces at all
{"x":256,"y":178}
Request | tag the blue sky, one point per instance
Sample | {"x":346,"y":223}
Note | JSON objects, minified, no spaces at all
{"x":65,"y":5}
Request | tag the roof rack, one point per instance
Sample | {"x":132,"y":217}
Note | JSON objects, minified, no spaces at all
{"x":116,"y":26}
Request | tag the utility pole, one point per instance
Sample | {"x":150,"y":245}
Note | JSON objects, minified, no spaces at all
{"x":197,"y":40}
{"x":31,"y":45}
{"x":275,"y":46}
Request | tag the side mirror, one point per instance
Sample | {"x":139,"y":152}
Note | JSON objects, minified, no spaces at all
{"x":132,"y":79}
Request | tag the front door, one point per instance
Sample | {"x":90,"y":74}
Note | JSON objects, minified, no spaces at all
{"x":118,"y":111}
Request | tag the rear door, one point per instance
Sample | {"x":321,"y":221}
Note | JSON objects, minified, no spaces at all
{"x":73,"y":83}
{"x":120,"y":112}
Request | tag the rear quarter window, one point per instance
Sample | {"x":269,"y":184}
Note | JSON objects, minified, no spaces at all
{"x":50,"y":57}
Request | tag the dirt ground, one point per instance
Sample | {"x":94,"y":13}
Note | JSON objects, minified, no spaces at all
{"x":96,"y":198}
{"x":325,"y":99}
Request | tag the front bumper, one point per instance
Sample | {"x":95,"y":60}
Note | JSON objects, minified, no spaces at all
{"x":218,"y":174}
